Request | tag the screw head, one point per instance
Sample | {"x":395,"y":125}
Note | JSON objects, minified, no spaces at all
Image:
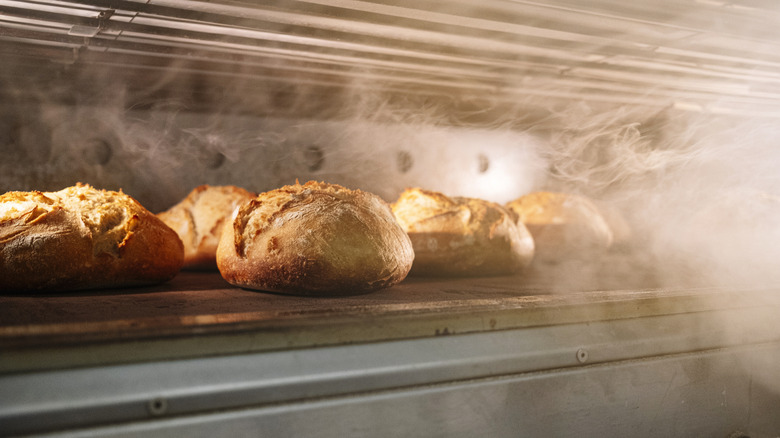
{"x":582,"y":355}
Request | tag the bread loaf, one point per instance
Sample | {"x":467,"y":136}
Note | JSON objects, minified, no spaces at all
{"x":314,"y":239}
{"x":82,"y":238}
{"x":462,"y":236}
{"x":563,"y":226}
{"x":198,"y":220}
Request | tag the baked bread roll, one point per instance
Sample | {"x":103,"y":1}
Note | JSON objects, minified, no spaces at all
{"x":462,"y":236}
{"x":563,"y":226}
{"x":82,"y":238}
{"x":314,"y":239}
{"x":198,"y":220}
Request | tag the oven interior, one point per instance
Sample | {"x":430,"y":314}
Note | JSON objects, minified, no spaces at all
{"x":664,"y":112}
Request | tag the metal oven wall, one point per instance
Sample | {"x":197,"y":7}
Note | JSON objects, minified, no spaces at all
{"x":626,"y":102}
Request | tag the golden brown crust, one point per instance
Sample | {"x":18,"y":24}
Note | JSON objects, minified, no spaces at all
{"x":198,"y":220}
{"x":563,"y":225}
{"x":82,"y":238}
{"x":314,"y":239}
{"x":462,"y":236}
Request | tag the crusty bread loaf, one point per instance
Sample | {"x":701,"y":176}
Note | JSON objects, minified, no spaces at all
{"x":82,"y":238}
{"x":564,"y":226}
{"x":462,"y":236}
{"x":314,"y":239}
{"x":198,"y":220}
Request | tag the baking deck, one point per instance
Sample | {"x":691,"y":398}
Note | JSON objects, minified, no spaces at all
{"x":199,"y":314}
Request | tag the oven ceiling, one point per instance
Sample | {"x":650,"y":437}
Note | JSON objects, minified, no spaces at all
{"x":708,"y":55}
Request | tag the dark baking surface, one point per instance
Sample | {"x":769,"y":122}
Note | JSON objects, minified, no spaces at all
{"x":204,"y":299}
{"x":193,"y":293}
{"x":206,"y":293}
{"x":200,"y":313}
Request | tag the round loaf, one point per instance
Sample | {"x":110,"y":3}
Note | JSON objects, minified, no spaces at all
{"x":563,"y":226}
{"x":199,"y":218}
{"x":462,"y":236}
{"x":314,"y":239}
{"x":82,"y":238}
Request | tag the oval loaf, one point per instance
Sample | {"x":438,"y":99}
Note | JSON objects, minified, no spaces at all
{"x":462,"y":236}
{"x":199,"y":218}
{"x":82,"y":238}
{"x":564,"y":226}
{"x":314,"y":239}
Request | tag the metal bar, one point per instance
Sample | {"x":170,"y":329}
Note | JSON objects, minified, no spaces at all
{"x":626,"y":54}
{"x":61,"y":399}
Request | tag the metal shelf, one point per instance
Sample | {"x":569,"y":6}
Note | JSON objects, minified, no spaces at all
{"x":198,"y":314}
{"x":196,"y":356}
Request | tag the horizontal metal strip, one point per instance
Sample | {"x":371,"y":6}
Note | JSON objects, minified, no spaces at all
{"x":574,"y":43}
{"x":134,"y":70}
{"x":719,"y":17}
{"x":569,"y":88}
{"x":37,"y":402}
{"x":641,"y":73}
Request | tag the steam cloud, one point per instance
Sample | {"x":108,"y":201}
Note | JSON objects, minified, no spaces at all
{"x":700,"y":190}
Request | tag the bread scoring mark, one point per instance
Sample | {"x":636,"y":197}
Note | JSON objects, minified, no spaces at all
{"x":194,"y":197}
{"x":421,"y":210}
{"x":273,"y":245}
{"x":273,"y":209}
{"x":15,"y":204}
{"x":131,"y":226}
{"x":96,"y":209}
{"x":106,"y":220}
{"x":190,"y":222}
{"x":256,"y":216}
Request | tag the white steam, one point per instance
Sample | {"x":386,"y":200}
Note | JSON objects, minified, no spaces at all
{"x":700,"y":191}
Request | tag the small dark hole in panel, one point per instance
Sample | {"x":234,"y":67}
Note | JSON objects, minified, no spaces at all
{"x":216,"y":160}
{"x":10,"y":132}
{"x":10,"y":141}
{"x":157,"y":406}
{"x":314,"y":158}
{"x":98,"y":151}
{"x":483,"y":163}
{"x":404,"y":161}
